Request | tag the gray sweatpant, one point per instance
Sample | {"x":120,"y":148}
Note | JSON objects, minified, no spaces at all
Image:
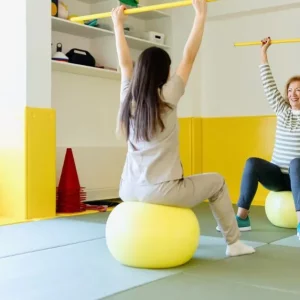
{"x":189,"y":192}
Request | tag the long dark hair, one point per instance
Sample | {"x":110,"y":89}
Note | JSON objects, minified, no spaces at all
{"x":143,"y":105}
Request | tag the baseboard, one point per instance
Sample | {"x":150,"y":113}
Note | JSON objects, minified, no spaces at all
{"x":101,"y":194}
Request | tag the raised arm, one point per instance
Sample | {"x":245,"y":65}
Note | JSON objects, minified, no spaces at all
{"x":123,"y":52}
{"x":194,"y":41}
{"x":275,"y":99}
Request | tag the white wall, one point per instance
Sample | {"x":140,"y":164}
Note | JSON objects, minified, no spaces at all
{"x":38,"y":54}
{"x":13,"y":78}
{"x":229,"y":8}
{"x":225,"y":79}
{"x":86,"y":109}
{"x":26,"y":69}
{"x":230,"y":83}
{"x":189,"y":105}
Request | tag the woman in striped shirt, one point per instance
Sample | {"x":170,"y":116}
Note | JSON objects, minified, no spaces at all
{"x":283,"y":172}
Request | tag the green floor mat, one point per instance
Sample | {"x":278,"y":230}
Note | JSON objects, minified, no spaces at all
{"x":92,"y":218}
{"x":292,"y":241}
{"x":213,"y":248}
{"x":34,"y":236}
{"x":271,"y":267}
{"x":262,"y":229}
{"x":186,"y":286}
{"x":84,"y":271}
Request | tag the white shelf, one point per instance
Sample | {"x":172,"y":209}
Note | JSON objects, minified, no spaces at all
{"x":77,"y":29}
{"x":73,"y":28}
{"x":84,"y":70}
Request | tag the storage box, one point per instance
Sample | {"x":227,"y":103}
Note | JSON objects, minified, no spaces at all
{"x":154,"y":37}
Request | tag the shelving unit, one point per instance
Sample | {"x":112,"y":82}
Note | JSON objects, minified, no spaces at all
{"x":100,"y":42}
{"x":87,"y":99}
{"x":84,"y":70}
{"x":85,"y":31}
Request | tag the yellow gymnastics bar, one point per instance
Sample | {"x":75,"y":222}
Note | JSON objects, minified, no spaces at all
{"x":258,"y":43}
{"x":137,"y":10}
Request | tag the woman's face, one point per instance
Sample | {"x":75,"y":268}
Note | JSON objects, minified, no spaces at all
{"x":294,"y":95}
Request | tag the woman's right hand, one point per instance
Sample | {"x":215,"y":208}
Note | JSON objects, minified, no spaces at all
{"x":264,"y":49}
{"x":266,"y":42}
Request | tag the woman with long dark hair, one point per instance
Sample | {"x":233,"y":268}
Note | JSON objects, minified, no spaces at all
{"x":148,"y":119}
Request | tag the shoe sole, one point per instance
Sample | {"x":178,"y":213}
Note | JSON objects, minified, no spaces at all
{"x":243,"y":229}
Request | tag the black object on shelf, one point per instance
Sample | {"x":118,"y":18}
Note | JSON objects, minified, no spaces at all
{"x":81,"y":57}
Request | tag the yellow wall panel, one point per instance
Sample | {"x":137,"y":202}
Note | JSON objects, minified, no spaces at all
{"x":196,"y":145}
{"x":40,"y":162}
{"x":229,"y":142}
{"x":28,"y":183}
{"x":12,"y":184}
{"x":185,"y":140}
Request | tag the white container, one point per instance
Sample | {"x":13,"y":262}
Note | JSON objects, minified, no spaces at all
{"x":155,"y":37}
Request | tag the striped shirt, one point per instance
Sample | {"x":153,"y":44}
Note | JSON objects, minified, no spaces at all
{"x":287,"y":140}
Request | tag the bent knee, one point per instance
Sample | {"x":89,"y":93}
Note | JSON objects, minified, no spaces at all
{"x":252,"y":162}
{"x":295,"y":163}
{"x":219,"y":186}
{"x":218,"y":179}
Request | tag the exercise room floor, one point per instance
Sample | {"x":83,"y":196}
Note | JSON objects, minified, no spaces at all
{"x":67,"y":259}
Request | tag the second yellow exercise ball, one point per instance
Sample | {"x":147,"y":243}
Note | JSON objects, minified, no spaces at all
{"x":280,"y":209}
{"x":144,"y":235}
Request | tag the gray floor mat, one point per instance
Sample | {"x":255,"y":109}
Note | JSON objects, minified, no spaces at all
{"x":34,"y":236}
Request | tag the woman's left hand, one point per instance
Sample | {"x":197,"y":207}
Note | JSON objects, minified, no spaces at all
{"x":118,"y":15}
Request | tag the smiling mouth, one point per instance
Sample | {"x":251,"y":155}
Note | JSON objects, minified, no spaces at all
{"x":294,"y":99}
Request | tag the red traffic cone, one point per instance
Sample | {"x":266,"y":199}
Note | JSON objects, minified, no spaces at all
{"x":69,"y":192}
{"x":69,"y":180}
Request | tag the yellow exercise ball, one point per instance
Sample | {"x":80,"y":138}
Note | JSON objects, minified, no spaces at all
{"x":152,"y":236}
{"x":280,"y":209}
